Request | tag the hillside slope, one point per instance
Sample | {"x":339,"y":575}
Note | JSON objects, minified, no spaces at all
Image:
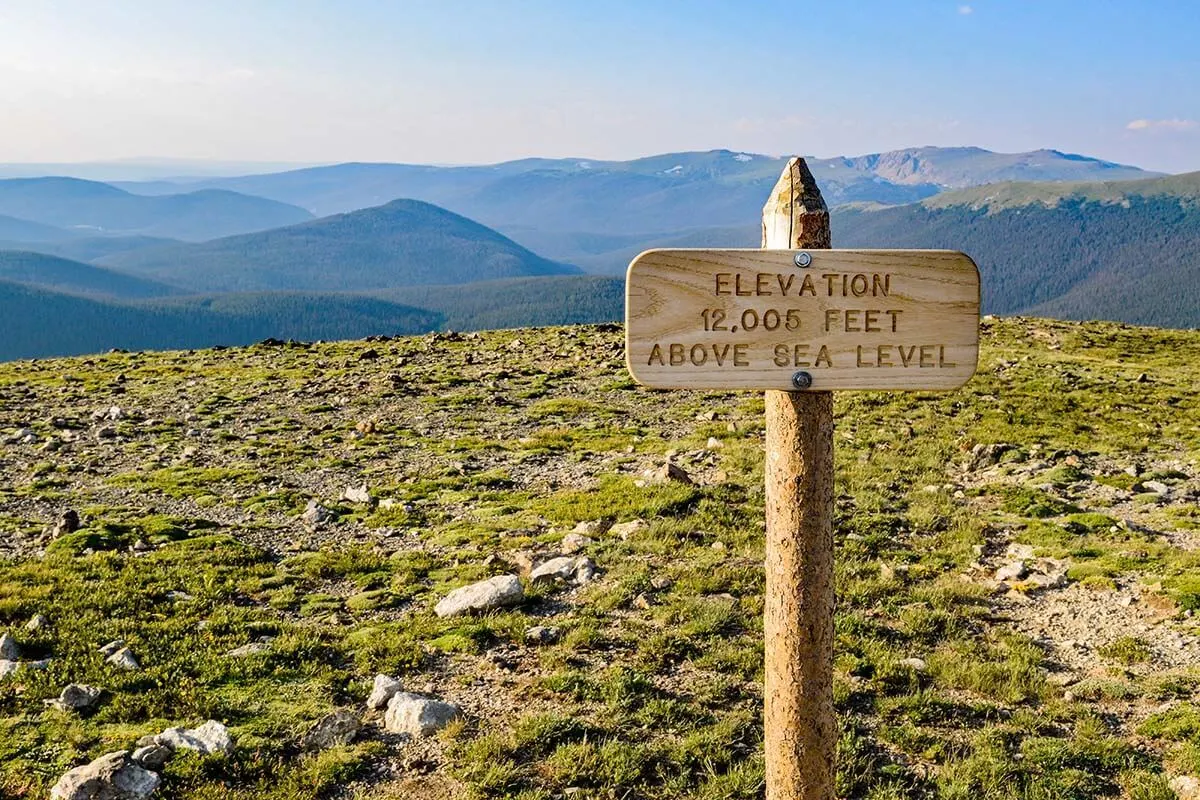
{"x":1015,"y":569}
{"x":403,"y":243}
{"x":74,"y":277}
{"x":42,"y":323}
{"x":1127,"y":251}
{"x":97,"y":208}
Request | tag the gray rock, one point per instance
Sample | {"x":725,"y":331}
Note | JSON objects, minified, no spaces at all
{"x":40,"y":664}
{"x":340,"y":727}
{"x":8,"y":667}
{"x":627,"y":529}
{"x":125,"y":659}
{"x":915,"y":664}
{"x":1158,"y":487}
{"x":503,"y":590}
{"x":110,"y":777}
{"x":575,"y":570}
{"x":207,"y":739}
{"x":383,"y":690}
{"x":594,"y":527}
{"x":316,"y":514}
{"x":38,"y":622}
{"x":542,"y":634}
{"x":1013,"y":571}
{"x":112,"y":647}
{"x":418,"y":716}
{"x":76,"y":697}
{"x":251,"y":649}
{"x":9,"y":649}
{"x":358,"y":494}
{"x":574,"y":542}
{"x":152,"y":756}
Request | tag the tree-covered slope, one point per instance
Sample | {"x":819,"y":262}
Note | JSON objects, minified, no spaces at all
{"x":97,"y":208}
{"x":73,"y":277}
{"x":403,"y":243}
{"x":40,"y":323}
{"x":1126,"y":251}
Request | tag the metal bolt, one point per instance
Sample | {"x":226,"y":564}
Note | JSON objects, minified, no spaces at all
{"x":802,"y":259}
{"x":802,"y":379}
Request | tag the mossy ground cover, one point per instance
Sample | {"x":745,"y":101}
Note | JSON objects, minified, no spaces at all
{"x":490,"y":445}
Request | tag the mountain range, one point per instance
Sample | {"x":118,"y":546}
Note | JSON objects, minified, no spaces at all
{"x":214,"y":263}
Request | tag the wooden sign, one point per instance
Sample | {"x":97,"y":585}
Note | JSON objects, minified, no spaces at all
{"x":802,"y":319}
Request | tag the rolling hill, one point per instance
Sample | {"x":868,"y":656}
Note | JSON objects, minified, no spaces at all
{"x":403,"y":243}
{"x":1127,"y":251}
{"x":88,"y":248}
{"x":73,"y":277}
{"x":100,"y":209}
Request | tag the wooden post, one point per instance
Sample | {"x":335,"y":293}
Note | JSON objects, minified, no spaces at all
{"x":800,"y":729}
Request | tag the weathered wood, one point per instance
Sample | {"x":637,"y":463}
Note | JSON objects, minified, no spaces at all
{"x":800,"y":728}
{"x":853,"y":319}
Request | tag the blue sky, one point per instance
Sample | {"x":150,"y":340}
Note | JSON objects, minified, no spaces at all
{"x":471,"y":82}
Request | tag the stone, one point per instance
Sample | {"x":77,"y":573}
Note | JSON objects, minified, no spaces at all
{"x":915,"y":664}
{"x":542,"y":634}
{"x":111,"y":777}
{"x":68,"y":522}
{"x":207,"y":739}
{"x":1185,"y":787}
{"x":339,"y":727}
{"x":112,"y":647}
{"x":8,"y":667}
{"x":1023,"y":552}
{"x":418,"y":716}
{"x":383,"y":690}
{"x":574,"y":542}
{"x":714,"y":443}
{"x":38,"y":622}
{"x":670,"y":473}
{"x":152,"y":756}
{"x":125,"y":659}
{"x":9,"y":649}
{"x":358,"y":494}
{"x":1014,"y":570}
{"x":1158,"y":487}
{"x":575,"y":570}
{"x":76,"y":697}
{"x":594,"y":527}
{"x":251,"y":649}
{"x":315,"y":514}
{"x":627,"y":529}
{"x":498,"y":592}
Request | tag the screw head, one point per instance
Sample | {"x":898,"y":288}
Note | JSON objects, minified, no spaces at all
{"x":802,"y":380}
{"x":802,"y":259}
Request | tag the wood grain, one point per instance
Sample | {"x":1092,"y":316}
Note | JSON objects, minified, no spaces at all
{"x":934,"y":295}
{"x":800,"y":729}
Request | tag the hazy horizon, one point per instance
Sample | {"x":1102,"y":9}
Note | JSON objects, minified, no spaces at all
{"x":420,"y":82}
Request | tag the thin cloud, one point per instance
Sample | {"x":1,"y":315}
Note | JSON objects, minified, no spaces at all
{"x":1163,"y":125}
{"x":964,"y":10}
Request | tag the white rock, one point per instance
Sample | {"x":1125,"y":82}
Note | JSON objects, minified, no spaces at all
{"x":315,"y":514}
{"x":574,"y":542}
{"x":211,"y":737}
{"x":418,"y":716}
{"x":37,"y":622}
{"x":914,"y":663}
{"x":714,"y":443}
{"x":1019,"y":551}
{"x":8,"y":667}
{"x":251,"y":649}
{"x":110,"y":776}
{"x":111,"y":647}
{"x":357,"y":494}
{"x":627,"y":529}
{"x":1186,"y":787}
{"x":568,"y":569}
{"x":503,"y":590}
{"x":8,"y":648}
{"x":124,"y":659}
{"x":383,"y":690}
{"x":1012,"y":571}
{"x":1157,"y":487}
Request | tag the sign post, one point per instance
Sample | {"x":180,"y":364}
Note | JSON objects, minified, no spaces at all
{"x":800,"y":320}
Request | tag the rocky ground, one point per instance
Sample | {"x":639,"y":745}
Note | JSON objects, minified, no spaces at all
{"x":557,"y":573}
